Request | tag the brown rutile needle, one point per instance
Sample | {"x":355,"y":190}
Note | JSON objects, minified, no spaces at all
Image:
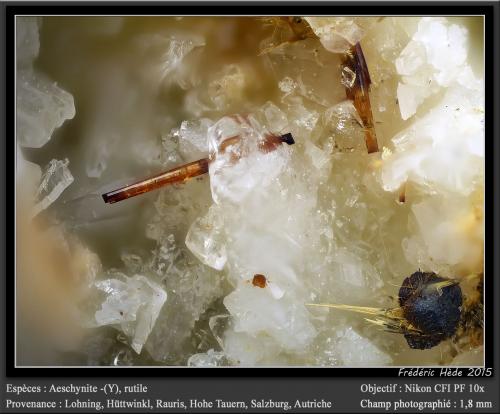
{"x":187,"y":171}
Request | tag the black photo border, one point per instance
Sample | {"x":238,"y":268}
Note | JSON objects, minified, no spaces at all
{"x":490,"y":10}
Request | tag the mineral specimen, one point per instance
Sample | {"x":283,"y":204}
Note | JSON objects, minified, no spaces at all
{"x":346,"y":347}
{"x":133,"y":304}
{"x":218,"y":271}
{"x":432,"y":306}
{"x":209,"y":359}
{"x":434,"y":58}
{"x":55,"y":179}
{"x":429,"y":310}
{"x":259,"y":281}
{"x":205,"y":239}
{"x":42,"y":107}
{"x":338,"y":34}
{"x":356,"y":80}
{"x":265,"y":143}
{"x":174,"y":176}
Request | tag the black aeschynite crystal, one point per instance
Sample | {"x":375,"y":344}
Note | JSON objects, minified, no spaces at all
{"x":431,"y":304}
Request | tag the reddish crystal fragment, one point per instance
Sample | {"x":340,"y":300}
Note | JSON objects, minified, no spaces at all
{"x":259,"y":281}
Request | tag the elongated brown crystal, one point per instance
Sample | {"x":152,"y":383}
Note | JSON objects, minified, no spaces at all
{"x":187,"y":171}
{"x":358,"y":92}
{"x":174,"y":176}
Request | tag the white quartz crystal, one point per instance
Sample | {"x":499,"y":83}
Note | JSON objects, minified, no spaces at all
{"x":218,"y":325}
{"x":178,"y":48}
{"x":287,"y":85}
{"x":433,"y":59}
{"x":133,"y":304}
{"x":193,"y":138}
{"x":338,"y":34}
{"x":208,"y":359}
{"x":409,"y":99}
{"x":235,"y":172}
{"x":42,"y":106}
{"x":55,"y":179}
{"x":304,"y":119}
{"x":205,"y":239}
{"x":165,"y":53}
{"x":256,"y":311}
{"x":228,"y":87}
{"x":276,"y":118}
{"x":346,"y":347}
{"x":343,"y":124}
{"x":300,"y":69}
{"x":450,"y":233}
{"x":191,"y":286}
{"x":444,"y":149}
{"x":355,"y":275}
{"x":250,"y":350}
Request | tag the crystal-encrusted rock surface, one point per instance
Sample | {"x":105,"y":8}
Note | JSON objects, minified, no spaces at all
{"x":169,"y":278}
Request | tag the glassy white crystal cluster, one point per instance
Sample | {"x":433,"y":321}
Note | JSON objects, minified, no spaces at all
{"x":171,"y":273}
{"x":42,"y":106}
{"x":443,"y":151}
{"x":134,"y":304}
{"x":55,"y":179}
{"x":338,"y":34}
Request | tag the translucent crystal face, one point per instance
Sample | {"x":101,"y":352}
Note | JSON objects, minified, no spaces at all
{"x":241,"y":162}
{"x":133,"y":303}
{"x":206,"y":239}
{"x":256,"y":311}
{"x":43,"y":107}
{"x":55,"y":179}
